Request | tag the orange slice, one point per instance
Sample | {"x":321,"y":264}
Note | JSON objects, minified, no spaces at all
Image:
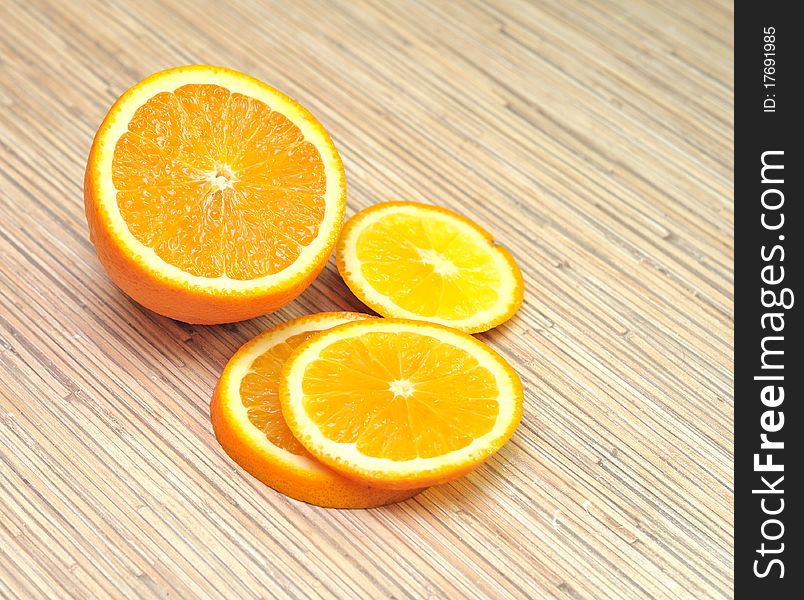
{"x":416,"y":261}
{"x":399,"y":404}
{"x":248,"y":422}
{"x":212,"y":197}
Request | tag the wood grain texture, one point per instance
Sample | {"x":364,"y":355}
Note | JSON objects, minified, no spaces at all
{"x":593,"y":138}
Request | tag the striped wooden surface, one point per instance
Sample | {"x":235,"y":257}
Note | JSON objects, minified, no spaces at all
{"x":593,"y":138}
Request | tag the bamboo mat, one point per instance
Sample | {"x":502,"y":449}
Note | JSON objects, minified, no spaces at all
{"x":593,"y":138}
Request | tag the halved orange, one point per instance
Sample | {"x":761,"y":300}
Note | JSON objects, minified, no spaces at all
{"x":416,"y":261}
{"x":399,"y":404}
{"x":212,"y":197}
{"x":249,"y":425}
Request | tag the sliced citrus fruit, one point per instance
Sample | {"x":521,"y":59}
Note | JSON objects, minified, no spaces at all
{"x":399,"y":403}
{"x":212,"y":197}
{"x":248,"y":422}
{"x":417,"y":261}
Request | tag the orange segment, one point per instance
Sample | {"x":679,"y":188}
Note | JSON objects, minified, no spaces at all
{"x":248,"y":421}
{"x":399,"y":403}
{"x":416,"y":261}
{"x":259,"y":390}
{"x":212,"y":197}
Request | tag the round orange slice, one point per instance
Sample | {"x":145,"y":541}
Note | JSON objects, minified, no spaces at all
{"x":416,"y":261}
{"x":249,"y":425}
{"x":212,"y":197}
{"x":399,"y":404}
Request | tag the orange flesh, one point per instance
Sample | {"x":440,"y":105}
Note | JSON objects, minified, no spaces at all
{"x":428,"y":267}
{"x":259,"y":393}
{"x":218,"y":184}
{"x":400,"y":396}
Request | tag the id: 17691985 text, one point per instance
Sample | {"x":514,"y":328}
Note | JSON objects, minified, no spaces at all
{"x":769,"y":69}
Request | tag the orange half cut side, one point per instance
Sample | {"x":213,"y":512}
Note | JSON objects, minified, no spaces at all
{"x":211,"y":196}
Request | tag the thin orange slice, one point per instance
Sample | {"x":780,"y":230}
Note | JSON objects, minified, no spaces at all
{"x":249,"y":425}
{"x":211,"y":196}
{"x":400,"y":404}
{"x":416,"y":261}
